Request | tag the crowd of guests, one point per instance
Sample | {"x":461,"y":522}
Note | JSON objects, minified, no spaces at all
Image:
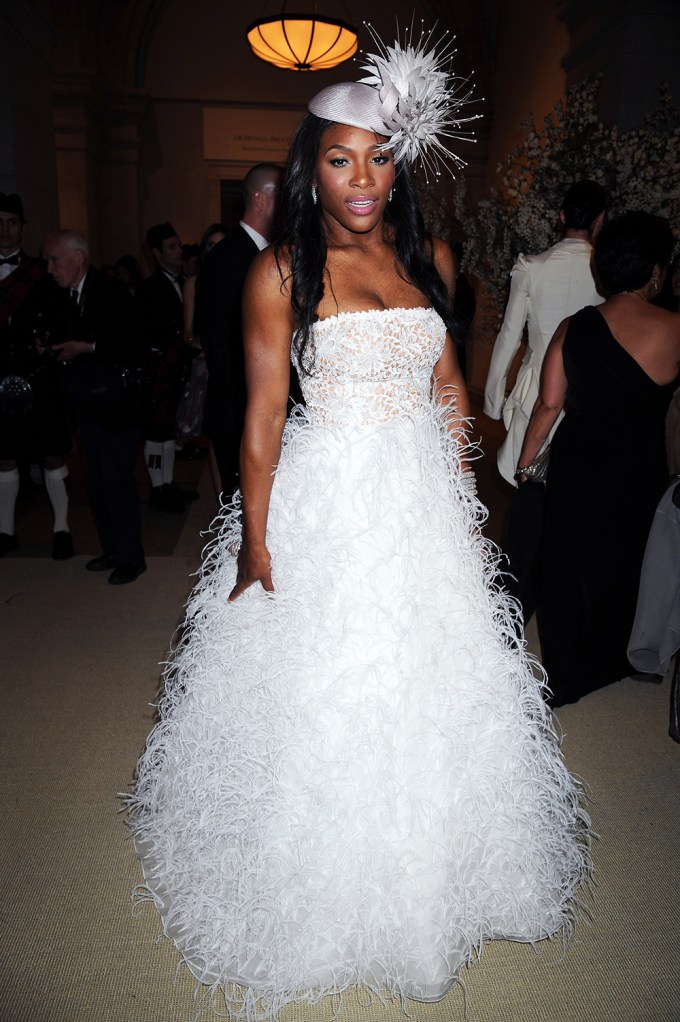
{"x":131,"y":362}
{"x":587,"y":422}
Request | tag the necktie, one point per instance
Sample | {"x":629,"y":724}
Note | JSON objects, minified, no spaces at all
{"x":12,"y":260}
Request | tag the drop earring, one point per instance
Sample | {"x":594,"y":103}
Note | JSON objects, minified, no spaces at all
{"x":389,"y":197}
{"x":314,"y":196}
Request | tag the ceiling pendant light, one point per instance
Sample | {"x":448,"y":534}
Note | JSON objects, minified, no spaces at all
{"x":302,"y":42}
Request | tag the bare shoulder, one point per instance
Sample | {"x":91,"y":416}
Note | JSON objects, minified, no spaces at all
{"x":557,"y":339}
{"x":269,"y":268}
{"x":667,"y":330}
{"x":669,"y":321}
{"x":266,"y":283}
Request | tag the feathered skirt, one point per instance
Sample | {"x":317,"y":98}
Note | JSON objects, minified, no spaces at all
{"x":355,"y":780}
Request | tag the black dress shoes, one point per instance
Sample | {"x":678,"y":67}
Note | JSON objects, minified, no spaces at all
{"x":164,"y":498}
{"x":62,"y":546}
{"x":102,"y":563}
{"x":125,"y":573}
{"x":8,"y":543}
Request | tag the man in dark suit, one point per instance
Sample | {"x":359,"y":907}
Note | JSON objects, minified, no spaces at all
{"x":33,"y":421}
{"x":220,"y":325}
{"x":99,"y":343}
{"x":159,"y":298}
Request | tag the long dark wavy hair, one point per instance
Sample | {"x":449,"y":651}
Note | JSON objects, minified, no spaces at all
{"x":300,"y":239}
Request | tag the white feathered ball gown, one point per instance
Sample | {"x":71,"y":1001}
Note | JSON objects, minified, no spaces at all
{"x":355,"y":781}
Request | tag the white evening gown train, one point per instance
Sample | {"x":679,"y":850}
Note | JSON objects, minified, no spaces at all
{"x":355,"y":781}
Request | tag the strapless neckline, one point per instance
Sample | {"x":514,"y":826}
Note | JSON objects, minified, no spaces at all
{"x":396,"y":309}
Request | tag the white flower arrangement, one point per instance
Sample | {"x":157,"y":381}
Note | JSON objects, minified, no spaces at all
{"x":639,"y":168}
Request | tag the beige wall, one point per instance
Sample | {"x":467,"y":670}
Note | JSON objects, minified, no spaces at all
{"x":528,"y":74}
{"x":172,"y":168}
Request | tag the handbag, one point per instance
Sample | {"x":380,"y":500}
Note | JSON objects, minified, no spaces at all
{"x":189,"y":418}
{"x":537,"y":470}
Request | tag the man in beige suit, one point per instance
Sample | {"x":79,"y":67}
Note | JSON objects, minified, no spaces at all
{"x":544,"y":290}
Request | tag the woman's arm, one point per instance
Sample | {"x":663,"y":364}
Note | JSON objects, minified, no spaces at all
{"x":267,"y":333}
{"x":550,"y":400}
{"x":447,"y":379}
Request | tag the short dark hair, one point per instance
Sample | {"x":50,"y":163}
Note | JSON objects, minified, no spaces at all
{"x":159,"y":233}
{"x":582,"y":205}
{"x":258,"y":176}
{"x":629,"y":247}
{"x":132,"y":267}
{"x":12,"y":204}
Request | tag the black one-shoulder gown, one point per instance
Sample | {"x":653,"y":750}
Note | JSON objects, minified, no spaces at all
{"x":607,"y":474}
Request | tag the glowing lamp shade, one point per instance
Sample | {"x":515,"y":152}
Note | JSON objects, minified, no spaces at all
{"x":302,"y":42}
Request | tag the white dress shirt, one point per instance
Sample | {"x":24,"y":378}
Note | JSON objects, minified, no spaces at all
{"x":258,"y":238}
{"x":8,"y":268}
{"x":544,"y":290}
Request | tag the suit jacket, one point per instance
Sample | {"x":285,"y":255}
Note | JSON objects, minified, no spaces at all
{"x":219,"y":290}
{"x":107,"y":317}
{"x":22,"y":298}
{"x":219,"y":324}
{"x":160,"y":309}
{"x":544,"y":290}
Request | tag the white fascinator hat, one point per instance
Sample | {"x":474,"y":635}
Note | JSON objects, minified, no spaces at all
{"x":410,"y":95}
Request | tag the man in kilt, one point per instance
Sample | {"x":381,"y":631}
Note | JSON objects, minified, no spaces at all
{"x":34,"y":424}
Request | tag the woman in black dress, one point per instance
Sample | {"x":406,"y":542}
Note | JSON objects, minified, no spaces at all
{"x":613,"y":369}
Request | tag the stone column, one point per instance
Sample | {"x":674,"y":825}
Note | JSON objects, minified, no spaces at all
{"x":121,"y":227}
{"x":78,"y":122}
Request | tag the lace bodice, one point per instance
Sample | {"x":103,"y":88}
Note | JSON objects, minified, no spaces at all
{"x":372,"y":365}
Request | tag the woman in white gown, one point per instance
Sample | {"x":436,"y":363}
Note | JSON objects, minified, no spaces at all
{"x":354,"y":779}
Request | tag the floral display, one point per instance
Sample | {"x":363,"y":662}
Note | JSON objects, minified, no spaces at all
{"x":639,"y":168}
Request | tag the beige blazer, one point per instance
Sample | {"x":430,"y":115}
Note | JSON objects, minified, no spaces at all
{"x":544,"y":290}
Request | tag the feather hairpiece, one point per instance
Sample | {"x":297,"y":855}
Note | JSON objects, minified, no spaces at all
{"x":410,"y":95}
{"x":420,"y":98}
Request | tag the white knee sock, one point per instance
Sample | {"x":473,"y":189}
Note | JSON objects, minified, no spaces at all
{"x":9,"y":488}
{"x":56,"y":491}
{"x":168,"y":461}
{"x":153,"y":456}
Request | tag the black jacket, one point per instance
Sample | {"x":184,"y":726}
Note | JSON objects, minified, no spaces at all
{"x":161,"y":314}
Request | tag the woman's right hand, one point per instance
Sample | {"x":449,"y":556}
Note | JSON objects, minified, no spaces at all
{"x":253,"y":566}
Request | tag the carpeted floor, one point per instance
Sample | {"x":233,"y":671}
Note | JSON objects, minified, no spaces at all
{"x":79,"y":670}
